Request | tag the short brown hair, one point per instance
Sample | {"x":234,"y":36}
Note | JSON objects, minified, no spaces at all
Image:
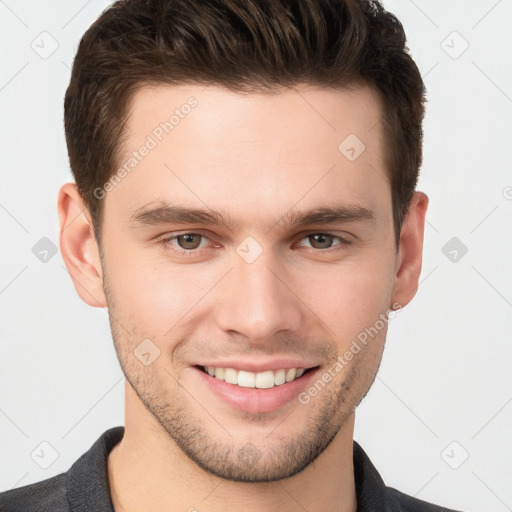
{"x":246,"y":46}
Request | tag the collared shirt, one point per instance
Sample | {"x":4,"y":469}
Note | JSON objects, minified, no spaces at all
{"x":84,"y":487}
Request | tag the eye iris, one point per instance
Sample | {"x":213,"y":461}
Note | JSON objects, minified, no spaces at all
{"x":189,"y":241}
{"x":321,"y":238}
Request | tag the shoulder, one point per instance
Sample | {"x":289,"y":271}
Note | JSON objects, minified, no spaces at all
{"x":373,"y":494}
{"x":406,"y":503}
{"x":46,"y":495}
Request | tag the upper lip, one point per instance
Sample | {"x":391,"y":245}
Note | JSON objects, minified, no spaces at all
{"x":261,"y":366}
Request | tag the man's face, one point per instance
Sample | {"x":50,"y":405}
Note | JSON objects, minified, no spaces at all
{"x":257,"y":292}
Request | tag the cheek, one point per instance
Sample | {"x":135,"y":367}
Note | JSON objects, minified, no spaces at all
{"x":349,"y":298}
{"x":152,"y":297}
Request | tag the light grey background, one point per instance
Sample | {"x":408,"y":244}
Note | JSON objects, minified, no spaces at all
{"x":444,"y":389}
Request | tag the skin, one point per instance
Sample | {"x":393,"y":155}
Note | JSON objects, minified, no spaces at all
{"x":249,"y":158}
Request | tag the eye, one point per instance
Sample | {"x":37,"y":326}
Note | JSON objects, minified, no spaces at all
{"x":190,"y":244}
{"x":185,"y":242}
{"x":324,"y":241}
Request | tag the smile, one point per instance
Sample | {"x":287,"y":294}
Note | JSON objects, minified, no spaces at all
{"x":261,"y":380}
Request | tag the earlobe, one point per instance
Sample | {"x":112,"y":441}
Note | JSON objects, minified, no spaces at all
{"x":78,"y":246}
{"x":409,"y":258}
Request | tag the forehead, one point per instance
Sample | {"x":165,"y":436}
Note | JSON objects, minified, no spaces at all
{"x":305,"y":111}
{"x":222,"y":148}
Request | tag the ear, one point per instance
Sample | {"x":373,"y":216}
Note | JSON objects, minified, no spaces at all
{"x":410,"y":251}
{"x":78,"y":246}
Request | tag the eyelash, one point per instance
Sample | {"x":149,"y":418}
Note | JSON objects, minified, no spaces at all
{"x":167,"y":242}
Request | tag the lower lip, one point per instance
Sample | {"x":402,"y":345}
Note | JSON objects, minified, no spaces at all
{"x":255,"y":400}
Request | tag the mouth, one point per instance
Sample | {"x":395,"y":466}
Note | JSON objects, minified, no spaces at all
{"x":259,"y":380}
{"x":255,"y":393}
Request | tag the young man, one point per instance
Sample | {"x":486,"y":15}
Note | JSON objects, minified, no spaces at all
{"x":245,"y":207}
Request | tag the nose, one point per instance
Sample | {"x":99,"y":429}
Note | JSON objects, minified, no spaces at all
{"x":257,"y":300}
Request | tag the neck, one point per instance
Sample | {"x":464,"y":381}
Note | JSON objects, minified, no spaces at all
{"x":147,"y":471}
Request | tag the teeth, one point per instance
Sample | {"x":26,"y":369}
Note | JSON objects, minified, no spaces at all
{"x":261,"y":380}
{"x":279,"y":377}
{"x":291,"y":374}
{"x":246,"y":379}
{"x":230,"y":376}
{"x":264,"y":380}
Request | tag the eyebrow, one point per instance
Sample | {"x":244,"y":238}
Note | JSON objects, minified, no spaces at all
{"x":164,"y":213}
